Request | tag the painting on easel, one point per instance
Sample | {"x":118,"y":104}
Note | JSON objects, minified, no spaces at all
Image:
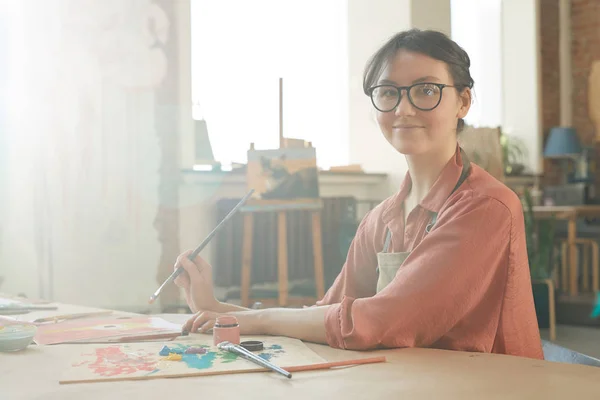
{"x":284,"y":174}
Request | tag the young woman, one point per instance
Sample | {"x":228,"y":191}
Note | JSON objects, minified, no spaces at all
{"x":443,"y":262}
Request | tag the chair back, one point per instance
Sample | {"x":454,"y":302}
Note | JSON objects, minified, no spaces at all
{"x":483,"y":148}
{"x":554,"y":352}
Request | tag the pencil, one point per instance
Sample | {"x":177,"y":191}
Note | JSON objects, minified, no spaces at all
{"x":202,"y":245}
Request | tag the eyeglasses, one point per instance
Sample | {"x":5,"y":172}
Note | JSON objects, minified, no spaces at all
{"x":424,"y":96}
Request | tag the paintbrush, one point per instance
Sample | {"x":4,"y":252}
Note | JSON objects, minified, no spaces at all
{"x":242,"y":352}
{"x":59,"y":318}
{"x":202,"y":245}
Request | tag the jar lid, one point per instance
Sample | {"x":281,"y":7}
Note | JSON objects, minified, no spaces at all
{"x":226,"y":320}
{"x":252,"y":345}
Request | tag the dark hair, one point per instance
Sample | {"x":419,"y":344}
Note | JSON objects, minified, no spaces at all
{"x":430,"y":43}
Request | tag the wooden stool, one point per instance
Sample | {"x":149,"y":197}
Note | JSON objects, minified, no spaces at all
{"x":551,"y":305}
{"x":588,"y":245}
{"x":280,"y":207}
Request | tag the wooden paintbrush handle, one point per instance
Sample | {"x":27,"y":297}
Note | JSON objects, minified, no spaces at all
{"x":334,"y":364}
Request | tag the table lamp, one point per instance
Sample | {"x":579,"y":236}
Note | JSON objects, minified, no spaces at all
{"x":564,"y":144}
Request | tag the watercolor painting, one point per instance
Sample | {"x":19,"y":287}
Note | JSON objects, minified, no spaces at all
{"x":193,"y":356}
{"x":98,"y":330}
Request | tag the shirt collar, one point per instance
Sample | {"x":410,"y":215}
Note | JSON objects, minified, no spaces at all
{"x":445,"y":183}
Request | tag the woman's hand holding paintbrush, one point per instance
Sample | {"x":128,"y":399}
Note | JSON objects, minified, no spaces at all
{"x":197,"y":283}
{"x":192,"y":255}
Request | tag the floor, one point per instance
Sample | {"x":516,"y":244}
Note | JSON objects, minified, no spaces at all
{"x":585,"y":340}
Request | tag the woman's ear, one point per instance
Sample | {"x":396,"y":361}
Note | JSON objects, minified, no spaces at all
{"x":464,"y":100}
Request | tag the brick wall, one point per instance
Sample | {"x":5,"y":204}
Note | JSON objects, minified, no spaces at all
{"x":550,"y":64}
{"x":585,"y":47}
{"x":585,"y":20}
{"x":550,"y":79}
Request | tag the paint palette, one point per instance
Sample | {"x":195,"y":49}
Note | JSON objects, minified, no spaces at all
{"x":16,"y":337}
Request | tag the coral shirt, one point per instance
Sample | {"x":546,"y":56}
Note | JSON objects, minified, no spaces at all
{"x":465,"y":286}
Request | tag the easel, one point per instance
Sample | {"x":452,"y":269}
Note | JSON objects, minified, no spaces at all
{"x":281,"y":207}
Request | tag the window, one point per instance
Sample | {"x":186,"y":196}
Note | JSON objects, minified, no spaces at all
{"x":241,"y":48}
{"x":477,"y":27}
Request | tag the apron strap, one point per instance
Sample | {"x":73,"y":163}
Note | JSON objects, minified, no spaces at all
{"x":388,"y":238}
{"x":463,"y":177}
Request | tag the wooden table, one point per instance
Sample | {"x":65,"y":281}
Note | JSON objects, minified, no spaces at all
{"x":571,"y":214}
{"x":407,"y":374}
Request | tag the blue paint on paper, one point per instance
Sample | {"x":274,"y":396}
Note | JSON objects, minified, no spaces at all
{"x":196,"y":361}
{"x":266,"y":356}
{"x":207,"y":360}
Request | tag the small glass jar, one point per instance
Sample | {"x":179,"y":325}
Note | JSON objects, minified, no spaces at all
{"x":226,"y":329}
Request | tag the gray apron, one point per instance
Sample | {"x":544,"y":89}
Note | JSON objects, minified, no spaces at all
{"x":388,"y":264}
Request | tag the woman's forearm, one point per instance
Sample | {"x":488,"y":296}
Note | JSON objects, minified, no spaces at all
{"x":307,"y":324}
{"x":227,"y":308}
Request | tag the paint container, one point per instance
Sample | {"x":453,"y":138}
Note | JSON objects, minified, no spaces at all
{"x":226,"y":329}
{"x":16,"y":337}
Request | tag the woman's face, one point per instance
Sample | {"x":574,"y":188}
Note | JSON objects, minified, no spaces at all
{"x":412,"y":131}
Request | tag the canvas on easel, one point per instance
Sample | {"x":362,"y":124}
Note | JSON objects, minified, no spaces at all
{"x":283,"y":174}
{"x":288,"y":173}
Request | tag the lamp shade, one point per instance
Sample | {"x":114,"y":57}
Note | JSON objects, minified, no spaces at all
{"x":562,"y":142}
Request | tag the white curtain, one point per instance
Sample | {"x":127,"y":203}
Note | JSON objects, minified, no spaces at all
{"x":241,"y":48}
{"x":477,"y":27}
{"x":81,"y":192}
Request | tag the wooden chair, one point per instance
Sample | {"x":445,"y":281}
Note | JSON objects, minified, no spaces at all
{"x":588,"y":246}
{"x":551,"y":305}
{"x":281,"y":207}
{"x":482,"y":146}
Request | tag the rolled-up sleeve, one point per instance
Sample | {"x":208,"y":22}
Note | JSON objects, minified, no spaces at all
{"x":358,"y":275}
{"x":454,"y":279}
